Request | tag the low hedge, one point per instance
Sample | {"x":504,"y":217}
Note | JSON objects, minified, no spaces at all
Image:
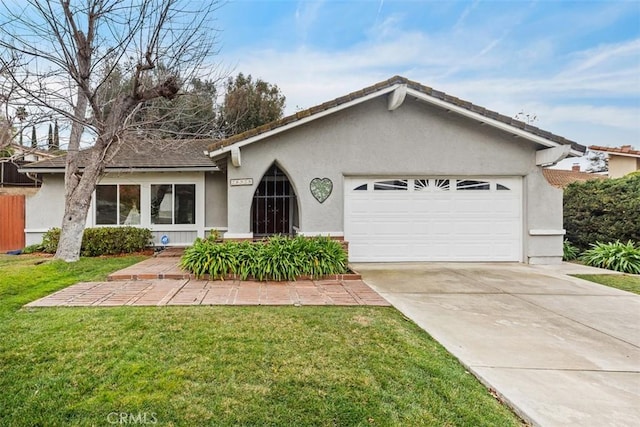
{"x":104,"y":240}
{"x":604,"y":210}
{"x":277,"y":258}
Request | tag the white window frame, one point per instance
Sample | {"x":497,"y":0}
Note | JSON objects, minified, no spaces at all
{"x":117,"y":224}
{"x":145,"y":180}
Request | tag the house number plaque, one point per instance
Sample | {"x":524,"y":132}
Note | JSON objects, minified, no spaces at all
{"x":241,"y":181}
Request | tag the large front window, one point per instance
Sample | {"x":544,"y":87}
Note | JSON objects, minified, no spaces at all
{"x":173,"y":204}
{"x":118,"y":205}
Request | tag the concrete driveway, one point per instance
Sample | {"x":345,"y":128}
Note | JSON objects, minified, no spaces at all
{"x":561,"y":351}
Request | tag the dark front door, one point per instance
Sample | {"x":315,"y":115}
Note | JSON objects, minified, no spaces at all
{"x":272,"y":203}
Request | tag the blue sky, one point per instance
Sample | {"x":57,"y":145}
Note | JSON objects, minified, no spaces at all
{"x":574,"y":64}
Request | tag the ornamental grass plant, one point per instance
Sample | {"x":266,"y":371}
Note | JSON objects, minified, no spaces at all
{"x":618,"y":256}
{"x":277,"y":258}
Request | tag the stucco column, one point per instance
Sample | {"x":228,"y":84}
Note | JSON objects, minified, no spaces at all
{"x":239,"y":199}
{"x":544,"y":232}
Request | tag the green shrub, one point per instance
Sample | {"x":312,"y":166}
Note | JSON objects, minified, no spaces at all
{"x":569,"y":252}
{"x":33,"y":248}
{"x":103,"y":240}
{"x":277,"y":258}
{"x":616,"y":256}
{"x":50,"y":240}
{"x":603,"y":211}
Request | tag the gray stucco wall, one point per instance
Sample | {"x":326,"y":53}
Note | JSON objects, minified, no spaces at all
{"x":44,"y":209}
{"x":543,"y":220}
{"x":215,"y":184}
{"x":416,"y":139}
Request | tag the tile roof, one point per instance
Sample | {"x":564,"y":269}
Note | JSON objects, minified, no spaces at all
{"x":386,"y":84}
{"x":625,"y":150}
{"x":148,"y":155}
{"x":561,"y":178}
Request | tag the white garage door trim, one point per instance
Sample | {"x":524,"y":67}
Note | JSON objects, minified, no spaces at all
{"x":433,"y":218}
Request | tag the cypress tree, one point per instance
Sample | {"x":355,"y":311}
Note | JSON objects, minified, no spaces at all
{"x":50,"y":138}
{"x":56,"y":136}
{"x":34,"y":139}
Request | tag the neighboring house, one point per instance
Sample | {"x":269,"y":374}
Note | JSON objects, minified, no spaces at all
{"x":560,"y":178}
{"x":11,"y":180}
{"x":622,"y":161}
{"x":399,"y":170}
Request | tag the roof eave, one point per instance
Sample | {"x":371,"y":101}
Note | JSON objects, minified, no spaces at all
{"x":222,"y":150}
{"x":491,"y":122}
{"x":217,"y":153}
{"x":616,"y":153}
{"x":122,"y":170}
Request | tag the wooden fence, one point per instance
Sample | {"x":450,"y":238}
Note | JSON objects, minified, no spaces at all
{"x":11,"y":222}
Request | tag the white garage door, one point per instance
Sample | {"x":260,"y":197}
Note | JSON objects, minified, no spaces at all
{"x":433,"y":219}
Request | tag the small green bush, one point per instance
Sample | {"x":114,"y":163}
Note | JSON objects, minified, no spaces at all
{"x":569,"y":252}
{"x":50,"y":240}
{"x":104,"y":240}
{"x":616,"y":256}
{"x":277,"y":258}
{"x":33,"y":248}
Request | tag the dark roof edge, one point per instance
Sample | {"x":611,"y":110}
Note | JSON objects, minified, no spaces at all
{"x":378,"y":87}
{"x":51,"y":169}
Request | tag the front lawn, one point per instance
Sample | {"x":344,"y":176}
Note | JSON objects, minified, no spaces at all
{"x":624,"y":282}
{"x":220,"y":365}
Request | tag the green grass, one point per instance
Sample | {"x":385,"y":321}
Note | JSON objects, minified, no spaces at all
{"x":624,"y":282}
{"x":184,"y":366}
{"x":28,"y":277}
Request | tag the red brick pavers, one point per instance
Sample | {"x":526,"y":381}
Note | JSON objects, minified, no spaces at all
{"x":152,"y":268}
{"x":219,"y":292}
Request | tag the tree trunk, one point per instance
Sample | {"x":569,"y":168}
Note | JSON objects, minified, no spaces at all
{"x":75,"y":216}
{"x":79,"y":185}
{"x":77,"y":202}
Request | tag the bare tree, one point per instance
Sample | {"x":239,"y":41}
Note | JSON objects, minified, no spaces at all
{"x":72,"y":47}
{"x":6,"y":93}
{"x":12,"y":111}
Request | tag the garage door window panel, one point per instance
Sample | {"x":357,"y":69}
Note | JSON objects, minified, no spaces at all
{"x":468,"y":184}
{"x":393,"y":185}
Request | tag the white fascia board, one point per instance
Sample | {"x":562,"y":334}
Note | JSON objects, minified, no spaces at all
{"x":40,"y":170}
{"x":300,"y":122}
{"x":492,"y":122}
{"x":121,"y":170}
{"x":188,"y":169}
{"x":614,"y":153}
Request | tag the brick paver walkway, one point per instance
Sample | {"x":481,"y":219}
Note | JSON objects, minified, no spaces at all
{"x":202,"y":292}
{"x":159,"y":281}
